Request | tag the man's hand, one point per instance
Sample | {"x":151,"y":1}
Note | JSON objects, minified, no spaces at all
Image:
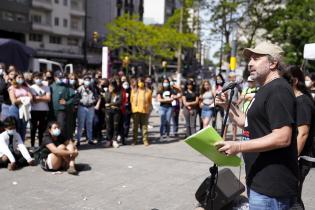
{"x":222,"y":100}
{"x":11,"y":166}
{"x":62,"y":101}
{"x":229,"y":147}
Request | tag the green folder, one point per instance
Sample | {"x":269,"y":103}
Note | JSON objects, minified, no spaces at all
{"x":203,"y":141}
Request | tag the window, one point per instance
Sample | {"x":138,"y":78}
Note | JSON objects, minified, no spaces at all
{"x":56,"y":21}
{"x":55,"y":40}
{"x":65,"y":2}
{"x":75,"y":23}
{"x":65,"y":23}
{"x":21,"y":18}
{"x":8,"y":16}
{"x":73,"y":41}
{"x":36,"y":37}
{"x":55,"y":68}
{"x":43,"y":67}
{"x":75,"y":4}
{"x":36,"y":19}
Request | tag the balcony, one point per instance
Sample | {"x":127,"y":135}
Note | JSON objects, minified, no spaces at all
{"x":77,"y":12}
{"x":42,"y":27}
{"x":76,"y":32}
{"x":42,"y":4}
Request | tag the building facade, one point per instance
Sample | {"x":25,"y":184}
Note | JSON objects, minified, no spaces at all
{"x":14,"y":19}
{"x":57,"y":29}
{"x":99,"y":14}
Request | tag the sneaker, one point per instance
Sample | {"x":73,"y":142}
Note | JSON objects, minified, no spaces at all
{"x":115,"y":144}
{"x":91,"y":143}
{"x":146,"y":144}
{"x":71,"y":170}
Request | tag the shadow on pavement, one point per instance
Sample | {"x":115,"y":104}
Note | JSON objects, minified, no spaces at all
{"x":83,"y":167}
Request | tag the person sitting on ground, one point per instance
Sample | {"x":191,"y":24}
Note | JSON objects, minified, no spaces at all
{"x":12,"y":150}
{"x":57,"y":153}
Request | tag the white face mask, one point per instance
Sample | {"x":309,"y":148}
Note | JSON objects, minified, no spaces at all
{"x":105,"y":89}
{"x":308,"y":83}
{"x":1,"y":71}
{"x":11,"y":132}
{"x":125,"y":85}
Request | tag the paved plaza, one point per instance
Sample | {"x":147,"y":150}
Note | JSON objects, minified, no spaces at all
{"x":163,"y":176}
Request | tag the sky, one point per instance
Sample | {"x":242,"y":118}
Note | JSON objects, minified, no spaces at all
{"x":153,"y":11}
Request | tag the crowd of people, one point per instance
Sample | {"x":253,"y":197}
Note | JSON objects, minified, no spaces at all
{"x":62,"y":108}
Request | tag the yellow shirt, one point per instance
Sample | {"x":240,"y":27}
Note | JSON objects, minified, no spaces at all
{"x":141,"y":100}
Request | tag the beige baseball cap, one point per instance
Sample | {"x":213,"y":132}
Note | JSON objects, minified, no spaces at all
{"x":264,"y":48}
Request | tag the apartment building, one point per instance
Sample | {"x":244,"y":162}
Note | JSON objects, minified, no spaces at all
{"x":14,"y":21}
{"x":57,"y":29}
{"x":99,"y":14}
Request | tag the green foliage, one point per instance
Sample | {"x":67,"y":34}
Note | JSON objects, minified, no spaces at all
{"x":292,"y":27}
{"x":140,"y":41}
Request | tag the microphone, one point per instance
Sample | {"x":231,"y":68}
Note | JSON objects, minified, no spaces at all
{"x":230,"y":86}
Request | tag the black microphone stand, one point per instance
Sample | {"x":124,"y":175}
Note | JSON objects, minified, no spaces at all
{"x":210,"y":195}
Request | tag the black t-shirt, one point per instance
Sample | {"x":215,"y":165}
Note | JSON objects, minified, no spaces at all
{"x":48,"y":140}
{"x":305,"y":115}
{"x":190,"y":96}
{"x":273,"y":173}
{"x":165,"y":94}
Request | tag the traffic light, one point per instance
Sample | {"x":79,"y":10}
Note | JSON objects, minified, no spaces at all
{"x":96,"y":36}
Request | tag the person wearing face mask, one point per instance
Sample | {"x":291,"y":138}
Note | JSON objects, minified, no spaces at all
{"x":113,"y":103}
{"x":21,"y":99}
{"x":49,"y":78}
{"x":126,"y":111}
{"x":305,"y":121}
{"x":86,"y":110}
{"x":62,"y":98}
{"x":72,"y":108}
{"x":165,"y":96}
{"x":12,"y":150}
{"x":248,"y":94}
{"x":190,"y":102}
{"x":99,"y":117}
{"x":141,"y":101}
{"x":56,"y":152}
{"x":310,"y":84}
{"x":40,"y":108}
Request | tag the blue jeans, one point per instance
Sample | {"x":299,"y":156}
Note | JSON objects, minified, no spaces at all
{"x":85,"y":119}
{"x":259,"y":201}
{"x":165,"y":115}
{"x":20,"y":123}
{"x":175,"y":120}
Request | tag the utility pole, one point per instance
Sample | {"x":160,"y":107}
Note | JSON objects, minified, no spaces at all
{"x":179,"y":53}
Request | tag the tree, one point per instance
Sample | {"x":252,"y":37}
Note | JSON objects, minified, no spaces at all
{"x":292,"y":26}
{"x":140,"y":41}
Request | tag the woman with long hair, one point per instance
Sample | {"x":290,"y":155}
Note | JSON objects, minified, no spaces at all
{"x":305,"y":121}
{"x":165,"y":97}
{"x":190,"y":102}
{"x":206,"y":103}
{"x":21,"y":99}
{"x":56,"y":152}
{"x":113,"y":101}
